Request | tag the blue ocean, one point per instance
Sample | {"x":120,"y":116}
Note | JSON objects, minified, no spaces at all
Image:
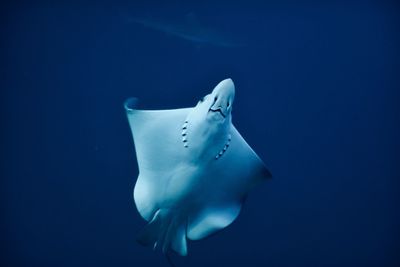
{"x":317,"y":97}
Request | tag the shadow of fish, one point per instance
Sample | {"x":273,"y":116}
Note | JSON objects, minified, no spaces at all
{"x":188,"y":29}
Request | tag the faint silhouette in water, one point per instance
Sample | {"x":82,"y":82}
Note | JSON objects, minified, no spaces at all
{"x":188,"y":29}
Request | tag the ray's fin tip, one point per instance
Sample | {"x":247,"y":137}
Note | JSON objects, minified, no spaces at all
{"x":266,"y":173}
{"x":131,"y":104}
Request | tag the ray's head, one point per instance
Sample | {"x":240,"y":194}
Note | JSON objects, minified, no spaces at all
{"x":217,"y":106}
{"x":207,"y":127}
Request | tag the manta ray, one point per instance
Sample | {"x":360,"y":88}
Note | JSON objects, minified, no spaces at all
{"x":195,"y":169}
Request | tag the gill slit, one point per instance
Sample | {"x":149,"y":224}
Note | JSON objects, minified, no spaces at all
{"x":186,"y":143}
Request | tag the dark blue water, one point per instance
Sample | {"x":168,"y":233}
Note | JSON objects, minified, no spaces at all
{"x":317,"y":96}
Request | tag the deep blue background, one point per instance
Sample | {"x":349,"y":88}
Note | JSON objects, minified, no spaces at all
{"x":317,"y":95}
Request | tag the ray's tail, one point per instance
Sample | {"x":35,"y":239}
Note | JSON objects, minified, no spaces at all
{"x":166,"y":231}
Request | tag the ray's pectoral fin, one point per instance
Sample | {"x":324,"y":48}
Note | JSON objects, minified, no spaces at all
{"x":212,"y":219}
{"x":154,"y":134}
{"x":261,"y":170}
{"x":157,"y":139}
{"x":165,"y":230}
{"x":248,"y":161}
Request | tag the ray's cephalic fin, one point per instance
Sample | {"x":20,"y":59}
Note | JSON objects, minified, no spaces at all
{"x":165,"y":230}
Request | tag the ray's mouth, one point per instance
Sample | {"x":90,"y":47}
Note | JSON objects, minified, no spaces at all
{"x":218,"y":110}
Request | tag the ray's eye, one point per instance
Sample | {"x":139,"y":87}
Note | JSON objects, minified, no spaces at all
{"x":227,"y":104}
{"x":203,"y":98}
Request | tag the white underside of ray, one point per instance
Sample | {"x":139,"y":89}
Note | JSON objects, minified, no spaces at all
{"x":157,"y":145}
{"x":229,"y":180}
{"x":208,"y":196}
